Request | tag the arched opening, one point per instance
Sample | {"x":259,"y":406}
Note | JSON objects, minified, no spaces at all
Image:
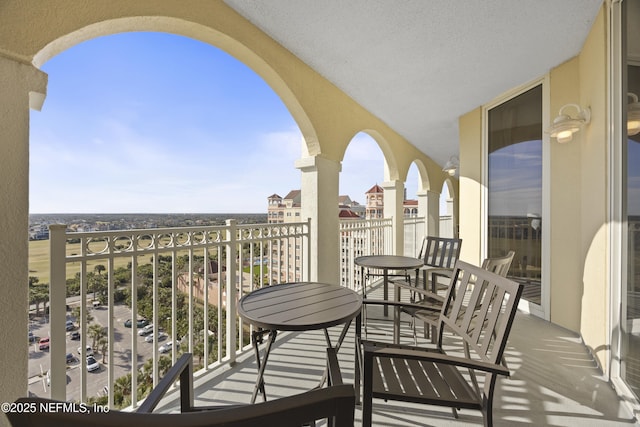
{"x":157,"y":123}
{"x":411,"y":186}
{"x":448,"y":221}
{"x":363,"y":170}
{"x":153,"y":122}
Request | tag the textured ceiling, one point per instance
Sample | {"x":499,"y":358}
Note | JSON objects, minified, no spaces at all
{"x":420,"y":64}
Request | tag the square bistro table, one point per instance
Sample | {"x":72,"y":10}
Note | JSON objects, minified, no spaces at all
{"x":302,"y":306}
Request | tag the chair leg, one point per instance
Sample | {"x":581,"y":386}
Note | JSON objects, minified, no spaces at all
{"x":487,"y":416}
{"x":367,"y":397}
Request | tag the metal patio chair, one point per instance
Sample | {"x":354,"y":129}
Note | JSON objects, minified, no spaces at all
{"x":335,"y":403}
{"x":432,"y":302}
{"x":478,"y":312}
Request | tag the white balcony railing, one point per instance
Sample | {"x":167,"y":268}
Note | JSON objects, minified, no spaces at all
{"x":360,"y":237}
{"x":414,"y":231}
{"x":165,"y":275}
{"x":161,"y":274}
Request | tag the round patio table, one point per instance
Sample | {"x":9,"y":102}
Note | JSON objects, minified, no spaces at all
{"x":386,"y":263}
{"x":301,"y":306}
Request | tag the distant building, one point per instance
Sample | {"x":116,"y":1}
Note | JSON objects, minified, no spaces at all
{"x":375,"y":204}
{"x":285,"y":259}
{"x":284,"y":253}
{"x":283,"y":210}
{"x":351,"y":206}
{"x":347,"y":213}
{"x":410,"y":207}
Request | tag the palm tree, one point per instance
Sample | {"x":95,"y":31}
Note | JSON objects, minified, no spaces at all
{"x":103,"y":343}
{"x":75,"y":312}
{"x":39,"y":294}
{"x":122,"y":391}
{"x":96,"y":332}
{"x":164,"y":364}
{"x":97,"y":284}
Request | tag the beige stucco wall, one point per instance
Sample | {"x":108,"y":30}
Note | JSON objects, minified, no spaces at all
{"x":565,"y":205}
{"x":16,"y":81}
{"x":470,"y":186}
{"x":578,"y":244}
{"x":580,"y":287}
{"x":594,"y":316}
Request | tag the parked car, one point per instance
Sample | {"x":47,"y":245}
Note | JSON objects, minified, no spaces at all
{"x":74,"y":336}
{"x":146,"y":330}
{"x":89,"y":350}
{"x":70,"y":358}
{"x":44,"y":343}
{"x":32,"y":338}
{"x":166,"y":347}
{"x":92,"y":364}
{"x":161,"y":336}
{"x":70,"y":326}
{"x":141,"y":323}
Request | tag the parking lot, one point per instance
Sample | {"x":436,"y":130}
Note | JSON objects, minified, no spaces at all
{"x":39,"y":361}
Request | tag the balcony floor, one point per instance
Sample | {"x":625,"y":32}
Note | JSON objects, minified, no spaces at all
{"x":554,"y":381}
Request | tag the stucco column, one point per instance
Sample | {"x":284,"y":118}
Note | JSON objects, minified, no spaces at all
{"x":320,"y":203}
{"x":17,"y":83}
{"x":423,"y":209}
{"x":393,"y":201}
{"x":433,"y":213}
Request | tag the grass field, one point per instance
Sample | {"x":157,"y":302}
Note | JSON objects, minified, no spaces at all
{"x":39,"y":260}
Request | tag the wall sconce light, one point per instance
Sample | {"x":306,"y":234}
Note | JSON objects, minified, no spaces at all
{"x":452,"y":165}
{"x":564,"y":126}
{"x":633,"y":115}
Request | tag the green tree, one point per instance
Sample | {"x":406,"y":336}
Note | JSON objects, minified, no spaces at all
{"x":38,"y":294}
{"x":99,"y":269}
{"x":96,"y":332}
{"x":73,"y":285}
{"x":122,"y":391}
{"x":98,"y":285}
{"x":103,"y":344}
{"x":75,"y":312}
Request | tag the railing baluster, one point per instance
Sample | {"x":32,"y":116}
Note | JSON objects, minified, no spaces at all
{"x":57,"y":311}
{"x":224,"y":242}
{"x":231,"y":289}
{"x":134,"y":333}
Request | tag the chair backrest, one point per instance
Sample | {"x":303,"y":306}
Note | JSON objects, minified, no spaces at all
{"x":440,"y":252}
{"x":481,"y":311}
{"x":337,"y":402}
{"x":499,"y":265}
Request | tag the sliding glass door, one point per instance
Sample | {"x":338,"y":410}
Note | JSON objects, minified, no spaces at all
{"x":630,"y":310}
{"x":514,"y":187}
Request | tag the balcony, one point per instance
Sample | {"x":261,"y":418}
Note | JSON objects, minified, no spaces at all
{"x":555,"y":379}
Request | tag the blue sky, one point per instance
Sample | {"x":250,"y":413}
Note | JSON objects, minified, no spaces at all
{"x":516,"y":190}
{"x":152,"y":122}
